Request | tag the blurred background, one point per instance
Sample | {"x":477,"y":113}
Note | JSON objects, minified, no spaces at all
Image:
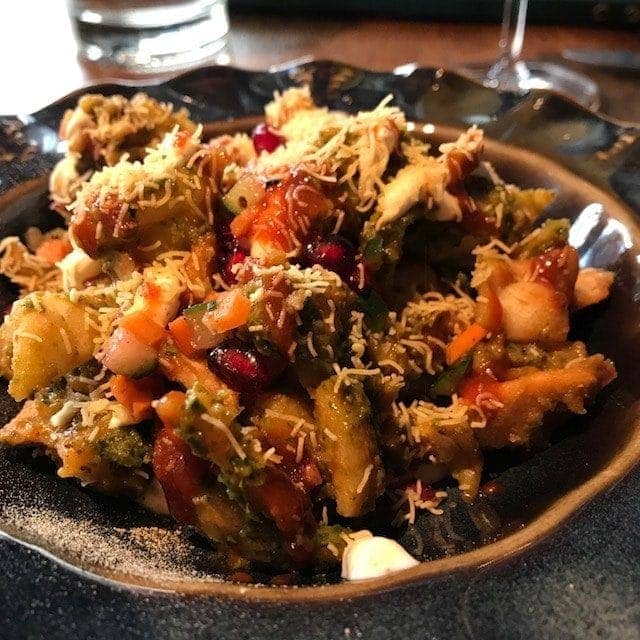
{"x":596,"y":44}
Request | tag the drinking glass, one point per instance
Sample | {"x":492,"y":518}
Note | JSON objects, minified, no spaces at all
{"x":512,"y":74}
{"x":150,"y":36}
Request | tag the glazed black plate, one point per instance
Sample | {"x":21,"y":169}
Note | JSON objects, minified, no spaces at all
{"x":562,"y":588}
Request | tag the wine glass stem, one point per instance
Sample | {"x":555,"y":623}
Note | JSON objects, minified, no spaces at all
{"x":510,"y":73}
{"x":514,"y":19}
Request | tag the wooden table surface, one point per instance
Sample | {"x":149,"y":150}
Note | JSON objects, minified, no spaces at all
{"x":39,"y":64}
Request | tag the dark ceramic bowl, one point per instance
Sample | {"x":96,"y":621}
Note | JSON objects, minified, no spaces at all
{"x":534,"y":140}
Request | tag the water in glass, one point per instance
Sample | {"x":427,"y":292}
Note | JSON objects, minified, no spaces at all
{"x":151,"y":35}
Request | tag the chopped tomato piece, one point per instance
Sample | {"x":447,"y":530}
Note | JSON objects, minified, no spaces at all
{"x":282,"y":219}
{"x":53,"y":250}
{"x":241,"y":225}
{"x":558,"y":267}
{"x":478,"y":384}
{"x":231,"y":311}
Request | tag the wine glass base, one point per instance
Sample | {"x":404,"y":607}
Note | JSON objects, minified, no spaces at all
{"x":524,"y":76}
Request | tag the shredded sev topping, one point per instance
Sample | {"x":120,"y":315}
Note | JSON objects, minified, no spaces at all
{"x":354,"y":149}
{"x":147,"y":183}
{"x":25,"y":269}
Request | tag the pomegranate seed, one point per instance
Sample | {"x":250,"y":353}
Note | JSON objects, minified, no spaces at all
{"x":244,"y":368}
{"x":265,"y":138}
{"x":226,"y":240}
{"x":308,"y":473}
{"x":228,"y":274}
{"x":335,"y":254}
{"x":427,"y":492}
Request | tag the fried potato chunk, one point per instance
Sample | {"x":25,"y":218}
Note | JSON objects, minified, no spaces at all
{"x":103,"y":128}
{"x":526,"y":399}
{"x":348,"y":447}
{"x":277,"y":416}
{"x":79,"y":456}
{"x":50,"y":336}
{"x":145,"y":208}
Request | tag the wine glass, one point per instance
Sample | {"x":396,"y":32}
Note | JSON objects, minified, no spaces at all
{"x":512,"y":74}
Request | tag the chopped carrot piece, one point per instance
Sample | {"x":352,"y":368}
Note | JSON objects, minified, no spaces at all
{"x":182,"y":333}
{"x":53,"y":250}
{"x":143,"y":328}
{"x":136,"y":395}
{"x":169,"y":408}
{"x":464,"y":342}
{"x":232,"y":311}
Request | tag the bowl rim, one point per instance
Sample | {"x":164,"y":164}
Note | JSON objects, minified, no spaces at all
{"x":403,"y":70}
